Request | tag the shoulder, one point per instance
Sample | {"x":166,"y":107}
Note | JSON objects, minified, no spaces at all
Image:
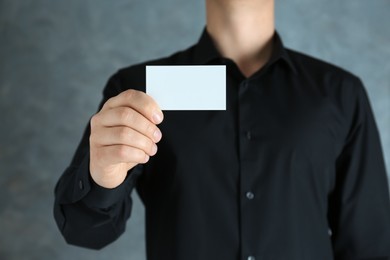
{"x":306,"y":63}
{"x":342,"y":88}
{"x":330,"y":77}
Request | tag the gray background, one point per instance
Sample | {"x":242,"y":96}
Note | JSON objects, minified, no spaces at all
{"x":55,"y":57}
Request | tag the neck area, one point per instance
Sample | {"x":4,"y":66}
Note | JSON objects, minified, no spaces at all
{"x":242,"y":30}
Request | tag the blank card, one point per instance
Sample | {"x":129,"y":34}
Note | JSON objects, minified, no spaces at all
{"x":187,"y":87}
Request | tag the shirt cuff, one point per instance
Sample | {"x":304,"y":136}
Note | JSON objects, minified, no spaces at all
{"x":96,"y":196}
{"x":100,"y":197}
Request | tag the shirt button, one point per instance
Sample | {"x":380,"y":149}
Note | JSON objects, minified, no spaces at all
{"x":250,"y":195}
{"x":81,"y":185}
{"x":251,"y":258}
{"x":249,"y":135}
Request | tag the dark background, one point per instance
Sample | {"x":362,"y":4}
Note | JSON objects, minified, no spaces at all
{"x":55,"y":58}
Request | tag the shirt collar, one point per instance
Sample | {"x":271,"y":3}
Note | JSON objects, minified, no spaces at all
{"x":205,"y":50}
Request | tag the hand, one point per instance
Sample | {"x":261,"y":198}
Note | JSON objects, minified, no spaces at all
{"x":123,"y":134}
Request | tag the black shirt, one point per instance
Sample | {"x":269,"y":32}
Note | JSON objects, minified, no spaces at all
{"x":292,"y":170}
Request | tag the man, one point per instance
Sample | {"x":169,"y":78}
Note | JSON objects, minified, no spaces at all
{"x":292,"y":170}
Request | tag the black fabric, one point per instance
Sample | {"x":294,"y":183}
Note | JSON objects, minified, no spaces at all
{"x":292,"y":170}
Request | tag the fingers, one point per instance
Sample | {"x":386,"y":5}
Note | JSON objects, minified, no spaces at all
{"x":139,"y":101}
{"x":125,"y":116}
{"x":125,"y":136}
{"x":117,"y":154}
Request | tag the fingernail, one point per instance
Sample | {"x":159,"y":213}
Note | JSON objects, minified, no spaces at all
{"x":154,"y":149}
{"x":157,"y":117}
{"x":157,"y":135}
{"x":146,"y":158}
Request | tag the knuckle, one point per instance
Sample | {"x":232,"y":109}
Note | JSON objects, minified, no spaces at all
{"x":123,"y":134}
{"x":95,"y":137}
{"x":125,"y":114}
{"x":130,"y":94}
{"x":94,"y":120}
{"x":122,"y":152}
{"x":92,"y":139}
{"x":108,"y":102}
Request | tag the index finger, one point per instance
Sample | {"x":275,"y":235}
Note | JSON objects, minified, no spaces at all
{"x":139,"y":101}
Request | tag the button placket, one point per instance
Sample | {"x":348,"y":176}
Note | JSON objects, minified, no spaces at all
{"x":245,"y":125}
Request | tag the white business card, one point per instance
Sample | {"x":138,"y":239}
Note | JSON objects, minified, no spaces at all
{"x":187,"y":87}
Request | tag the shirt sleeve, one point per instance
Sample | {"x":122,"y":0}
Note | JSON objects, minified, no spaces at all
{"x":359,"y":210}
{"x":87,"y":214}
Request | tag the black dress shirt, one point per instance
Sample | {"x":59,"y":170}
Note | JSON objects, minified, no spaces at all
{"x":292,"y":170}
